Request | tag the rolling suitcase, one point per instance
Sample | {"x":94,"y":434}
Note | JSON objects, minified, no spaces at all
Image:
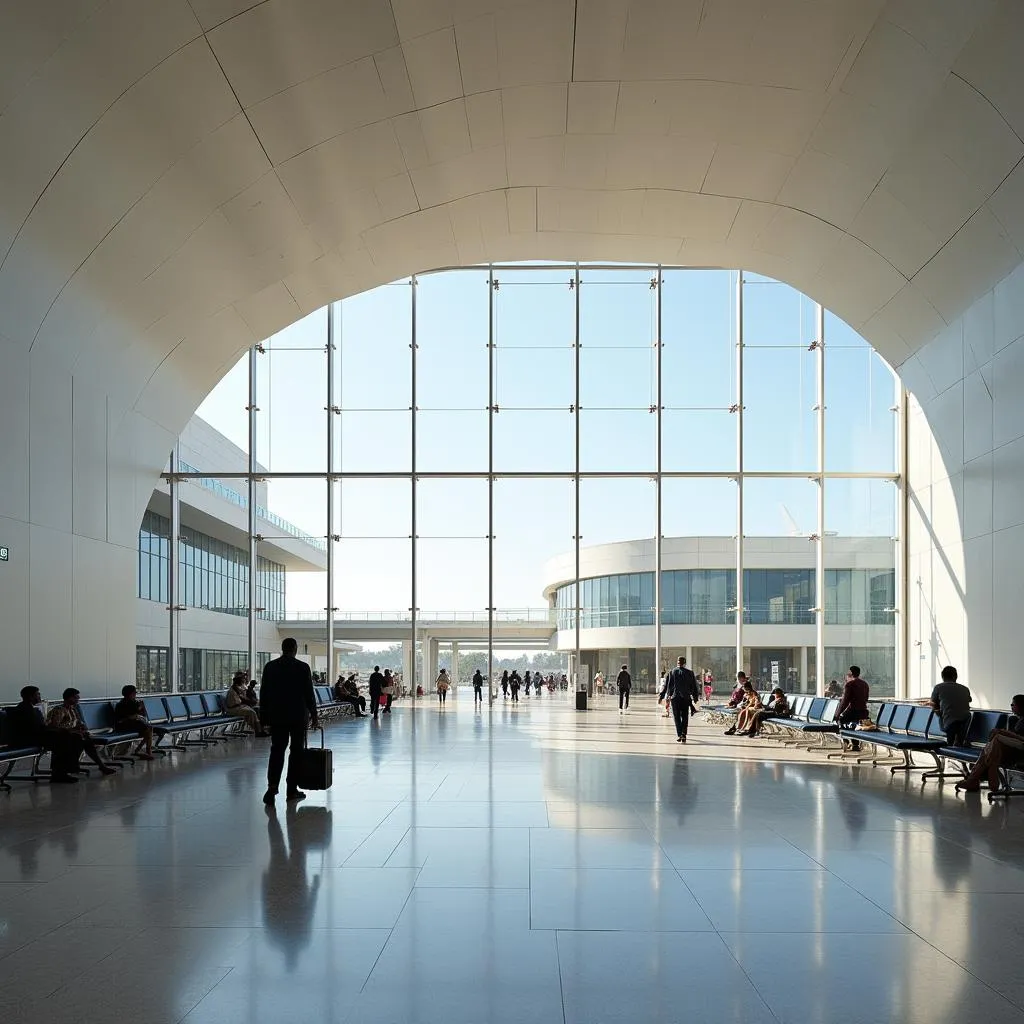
{"x":315,"y":769}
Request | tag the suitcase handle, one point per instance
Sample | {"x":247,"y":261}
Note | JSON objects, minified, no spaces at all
{"x":321,"y":737}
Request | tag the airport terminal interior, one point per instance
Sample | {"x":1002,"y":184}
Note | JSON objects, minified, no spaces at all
{"x":571,"y":338}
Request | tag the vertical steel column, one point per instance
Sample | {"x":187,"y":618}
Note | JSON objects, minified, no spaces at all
{"x":253,"y":535}
{"x":739,"y":468}
{"x":819,"y":544}
{"x":174,"y":604}
{"x":576,"y":474}
{"x":331,"y":410}
{"x":657,"y":479}
{"x":902,"y":545}
{"x":412,"y":508}
{"x":490,"y":485}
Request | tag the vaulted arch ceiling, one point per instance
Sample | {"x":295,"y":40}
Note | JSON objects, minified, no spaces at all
{"x":183,"y":177}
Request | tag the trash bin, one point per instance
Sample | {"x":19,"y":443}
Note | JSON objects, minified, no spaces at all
{"x":581,"y":700}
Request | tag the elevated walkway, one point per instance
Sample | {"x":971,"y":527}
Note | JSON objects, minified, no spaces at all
{"x":514,"y":627}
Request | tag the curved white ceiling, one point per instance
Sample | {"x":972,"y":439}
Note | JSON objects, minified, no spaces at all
{"x":181,"y":178}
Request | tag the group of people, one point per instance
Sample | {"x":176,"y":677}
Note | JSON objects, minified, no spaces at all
{"x":63,"y":732}
{"x":512,"y":682}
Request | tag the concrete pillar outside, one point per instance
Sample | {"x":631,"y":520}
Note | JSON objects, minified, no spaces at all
{"x":408,"y":665}
{"x":429,"y":661}
{"x":454,"y":668}
{"x":803,"y":668}
{"x":689,"y":660}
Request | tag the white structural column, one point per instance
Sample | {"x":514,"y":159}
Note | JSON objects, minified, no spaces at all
{"x":492,"y":284}
{"x":331,"y":411}
{"x":902,"y":590}
{"x":739,"y":468}
{"x":659,"y":283}
{"x":174,"y":603}
{"x":454,"y":667}
{"x":252,"y":410}
{"x":819,"y":543}
{"x":413,"y":594}
{"x":576,"y":477}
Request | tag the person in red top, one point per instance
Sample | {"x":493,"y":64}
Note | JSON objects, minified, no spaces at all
{"x":853,"y":706}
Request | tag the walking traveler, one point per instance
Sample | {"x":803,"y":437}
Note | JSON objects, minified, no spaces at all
{"x":681,"y":690}
{"x":625,"y":684}
{"x":289,"y":707}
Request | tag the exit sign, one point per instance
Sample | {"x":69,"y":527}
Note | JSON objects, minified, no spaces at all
{"x":4,"y":554}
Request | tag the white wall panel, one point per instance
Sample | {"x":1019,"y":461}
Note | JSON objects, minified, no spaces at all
{"x":52,"y":610}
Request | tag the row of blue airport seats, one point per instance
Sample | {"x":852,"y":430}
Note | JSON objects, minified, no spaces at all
{"x":809,"y":714}
{"x":902,"y":730}
{"x":179,"y":720}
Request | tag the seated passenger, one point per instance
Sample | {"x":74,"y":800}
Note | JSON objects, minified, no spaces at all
{"x":751,"y":704}
{"x":130,"y":716}
{"x":777,"y":707}
{"x":1005,"y":749}
{"x":236,"y":707}
{"x":347,"y":692}
{"x":27,"y":728}
{"x":67,"y":719}
{"x":833,"y":689}
{"x":853,"y":706}
{"x":738,"y":693}
{"x":952,"y":700}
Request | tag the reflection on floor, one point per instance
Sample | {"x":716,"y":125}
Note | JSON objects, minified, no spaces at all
{"x":473,"y":867}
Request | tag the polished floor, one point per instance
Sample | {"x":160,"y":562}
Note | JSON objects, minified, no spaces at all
{"x":525,"y":864}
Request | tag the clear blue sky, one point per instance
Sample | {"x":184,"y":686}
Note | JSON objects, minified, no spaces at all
{"x":534,"y":315}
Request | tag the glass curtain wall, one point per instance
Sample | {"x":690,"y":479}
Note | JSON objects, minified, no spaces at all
{"x":455,"y":423}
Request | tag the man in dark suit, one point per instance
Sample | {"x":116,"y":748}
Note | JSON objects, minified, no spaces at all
{"x":376,"y":685}
{"x":288,"y":706}
{"x":681,"y":689}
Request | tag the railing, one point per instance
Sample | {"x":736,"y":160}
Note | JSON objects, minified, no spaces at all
{"x":520,"y":616}
{"x":214,"y":486}
{"x":756,"y":613}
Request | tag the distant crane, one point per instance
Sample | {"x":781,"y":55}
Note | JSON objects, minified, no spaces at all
{"x":794,"y":526}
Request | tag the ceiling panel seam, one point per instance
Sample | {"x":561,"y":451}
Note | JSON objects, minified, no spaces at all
{"x":71,"y":152}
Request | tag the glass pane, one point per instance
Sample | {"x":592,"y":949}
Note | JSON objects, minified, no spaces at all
{"x":618,"y":308}
{"x":698,"y":331}
{"x":534,"y":565}
{"x":534,"y":378}
{"x":534,"y":441}
{"x":291,"y":396}
{"x":860,"y":581}
{"x":535,"y":309}
{"x":375,"y":441}
{"x":860,"y":402}
{"x":618,"y":440}
{"x":374,"y":340}
{"x":779,"y":558}
{"x":452,"y":331}
{"x":451,"y":441}
{"x":779,"y":399}
{"x":695,"y":440}
{"x":776,"y":315}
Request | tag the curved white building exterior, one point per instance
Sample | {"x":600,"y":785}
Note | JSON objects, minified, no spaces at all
{"x":698,"y":602}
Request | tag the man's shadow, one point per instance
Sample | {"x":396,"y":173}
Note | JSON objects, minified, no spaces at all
{"x":289,"y":894}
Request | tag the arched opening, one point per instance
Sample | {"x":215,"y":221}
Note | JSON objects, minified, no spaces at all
{"x":681,"y":443}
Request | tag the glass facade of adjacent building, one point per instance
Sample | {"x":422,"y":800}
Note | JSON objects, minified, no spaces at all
{"x":214,"y":575}
{"x":198,"y":670}
{"x":707,"y":597}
